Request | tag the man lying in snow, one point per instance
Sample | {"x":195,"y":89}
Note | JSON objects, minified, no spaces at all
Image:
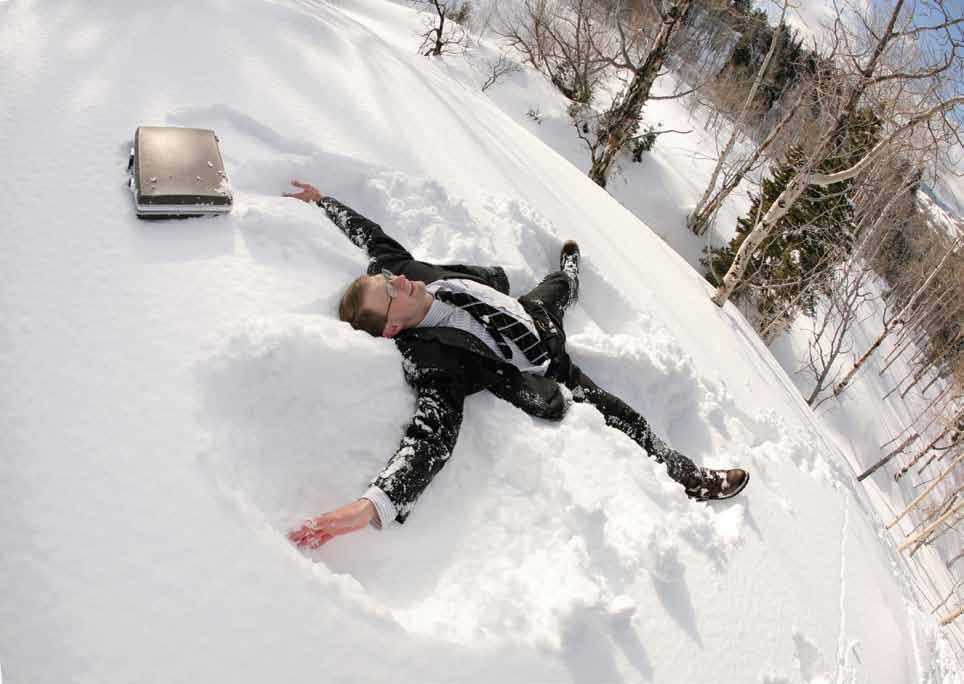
{"x":460,"y":332}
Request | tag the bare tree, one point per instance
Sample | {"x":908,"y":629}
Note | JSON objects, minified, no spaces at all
{"x":923,"y":495}
{"x":937,"y":455}
{"x":934,"y":364}
{"x":911,"y":335}
{"x":698,"y":218}
{"x":924,"y":534}
{"x":923,"y":452}
{"x":444,"y":30}
{"x":762,"y":229}
{"x":563,"y":39}
{"x":881,"y":76}
{"x":710,"y":34}
{"x":830,"y":338}
{"x":947,"y":619}
{"x":952,"y":592}
{"x":616,"y":127}
{"x":498,"y":68}
{"x":896,"y":320}
{"x":886,"y":459}
{"x":935,"y":409}
{"x":579,"y":43}
{"x":845,"y":290}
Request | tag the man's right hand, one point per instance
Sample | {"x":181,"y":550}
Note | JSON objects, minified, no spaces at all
{"x":327,"y":526}
{"x":309,"y":193}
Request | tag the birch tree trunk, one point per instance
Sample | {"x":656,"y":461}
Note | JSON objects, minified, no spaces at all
{"x":930,"y":528}
{"x":934,"y":363}
{"x":906,"y":338}
{"x":872,"y":469}
{"x":693,"y":221}
{"x":842,"y":385}
{"x":761,"y":231}
{"x":698,"y":223}
{"x":953,"y":616}
{"x":936,"y":455}
{"x":618,"y":124}
{"x":927,"y":491}
{"x":923,"y":452}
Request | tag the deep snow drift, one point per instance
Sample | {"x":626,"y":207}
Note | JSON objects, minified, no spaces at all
{"x":178,"y":395}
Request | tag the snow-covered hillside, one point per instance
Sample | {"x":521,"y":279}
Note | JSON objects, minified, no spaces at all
{"x":178,"y":395}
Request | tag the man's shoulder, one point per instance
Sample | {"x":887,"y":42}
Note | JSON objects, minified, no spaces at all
{"x":447,"y":353}
{"x":436,"y":341}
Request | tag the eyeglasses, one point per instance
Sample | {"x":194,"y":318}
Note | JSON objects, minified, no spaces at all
{"x":390,"y":289}
{"x":389,"y":285}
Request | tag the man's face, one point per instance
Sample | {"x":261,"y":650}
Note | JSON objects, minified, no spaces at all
{"x":402,"y":309}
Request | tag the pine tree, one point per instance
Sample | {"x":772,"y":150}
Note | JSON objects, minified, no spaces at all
{"x":791,"y":63}
{"x":784,"y":278}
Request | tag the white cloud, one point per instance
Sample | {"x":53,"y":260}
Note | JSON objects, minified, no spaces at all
{"x":812,"y":18}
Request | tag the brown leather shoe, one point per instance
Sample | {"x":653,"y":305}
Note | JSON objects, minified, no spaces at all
{"x":569,"y":257}
{"x":718,"y":484}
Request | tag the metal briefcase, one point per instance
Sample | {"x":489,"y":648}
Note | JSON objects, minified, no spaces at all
{"x":178,"y":172}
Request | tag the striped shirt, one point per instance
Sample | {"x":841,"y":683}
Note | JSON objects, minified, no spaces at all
{"x":444,"y":315}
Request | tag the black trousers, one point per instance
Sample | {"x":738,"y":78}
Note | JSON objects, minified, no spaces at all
{"x":547,"y":304}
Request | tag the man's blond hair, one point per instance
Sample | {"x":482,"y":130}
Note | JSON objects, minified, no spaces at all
{"x":351,"y":311}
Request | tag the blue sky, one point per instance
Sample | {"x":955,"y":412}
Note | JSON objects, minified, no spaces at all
{"x":809,"y":16}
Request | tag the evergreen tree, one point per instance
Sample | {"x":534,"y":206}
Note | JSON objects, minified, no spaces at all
{"x":786,"y":69}
{"x":817,"y":233}
{"x":790,"y":64}
{"x":754,"y":39}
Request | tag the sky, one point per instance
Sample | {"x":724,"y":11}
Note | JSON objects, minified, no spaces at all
{"x":813,"y":17}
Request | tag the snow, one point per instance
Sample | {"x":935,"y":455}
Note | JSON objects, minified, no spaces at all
{"x":178,"y":395}
{"x":941,"y":218}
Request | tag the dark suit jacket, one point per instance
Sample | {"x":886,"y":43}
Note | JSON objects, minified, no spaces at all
{"x":444,"y":365}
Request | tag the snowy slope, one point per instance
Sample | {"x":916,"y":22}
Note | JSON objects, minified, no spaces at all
{"x":178,"y":395}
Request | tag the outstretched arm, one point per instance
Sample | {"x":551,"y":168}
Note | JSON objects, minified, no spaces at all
{"x":426,"y":447}
{"x":384,"y":251}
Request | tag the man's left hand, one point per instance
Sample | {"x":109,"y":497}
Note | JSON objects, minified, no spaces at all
{"x":309,"y":193}
{"x":329,"y":525}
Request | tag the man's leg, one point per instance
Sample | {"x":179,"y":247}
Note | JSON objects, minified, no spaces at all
{"x":623,"y":417}
{"x":554,"y":295}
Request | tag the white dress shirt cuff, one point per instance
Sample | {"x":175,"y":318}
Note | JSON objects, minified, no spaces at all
{"x":384,"y":507}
